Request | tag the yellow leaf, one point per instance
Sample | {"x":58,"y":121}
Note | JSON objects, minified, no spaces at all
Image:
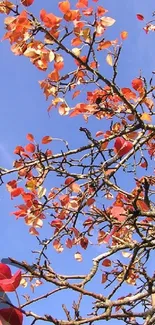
{"x":146,"y":117}
{"x":41,"y":192}
{"x":109,"y":60}
{"x":124,"y":35}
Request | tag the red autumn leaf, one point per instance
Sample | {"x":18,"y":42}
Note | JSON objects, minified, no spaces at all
{"x":64,"y":199}
{"x":30,"y":137}
{"x":137,"y":84}
{"x":119,"y":213}
{"x":142,"y":205}
{"x":124,"y":35}
{"x":90,"y":201}
{"x":144,"y":164}
{"x":19,"y":150}
{"x":122,"y":147}
{"x":11,"y":185}
{"x":9,"y":282}
{"x":82,"y":4}
{"x":128,"y":93}
{"x":27,"y":3}
{"x":140,"y":17}
{"x":27,"y":196}
{"x":69,"y":243}
{"x":84,"y":242}
{"x":88,"y":11}
{"x":49,"y":20}
{"x":46,"y":139}
{"x":16,"y":192}
{"x":5,"y":271}
{"x":11,"y":315}
{"x":58,"y":65}
{"x":106,"y":262}
{"x":48,"y":152}
{"x":56,"y":223}
{"x":69,"y":180}
{"x":30,"y":147}
{"x":104,"y":278}
{"x":99,"y":133}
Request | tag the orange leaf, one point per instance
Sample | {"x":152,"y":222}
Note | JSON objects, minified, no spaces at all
{"x":124,"y":35}
{"x":33,"y":231}
{"x":58,"y":65}
{"x":76,"y":93}
{"x":76,"y":41}
{"x":69,"y":180}
{"x":104,"y":45}
{"x":101,"y":11}
{"x":106,"y":262}
{"x":19,"y":150}
{"x":30,"y":147}
{"x":104,"y":278}
{"x":128,"y":93}
{"x":137,"y":84}
{"x":82,"y":4}
{"x":27,"y":3}
{"x":46,"y":139}
{"x":49,"y":20}
{"x":30,"y":137}
{"x":146,"y":117}
{"x":64,"y":6}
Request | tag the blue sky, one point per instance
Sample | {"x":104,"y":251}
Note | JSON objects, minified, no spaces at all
{"x":24,"y":110}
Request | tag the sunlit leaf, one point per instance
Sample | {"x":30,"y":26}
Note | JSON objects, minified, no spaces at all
{"x":30,"y":148}
{"x":146,"y":117}
{"x":30,"y":137}
{"x":124,"y":35}
{"x":46,"y":139}
{"x":107,"y":21}
{"x":78,"y":257}
{"x":109,"y":59}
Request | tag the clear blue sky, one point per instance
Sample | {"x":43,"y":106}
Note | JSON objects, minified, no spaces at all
{"x":23,"y":110}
